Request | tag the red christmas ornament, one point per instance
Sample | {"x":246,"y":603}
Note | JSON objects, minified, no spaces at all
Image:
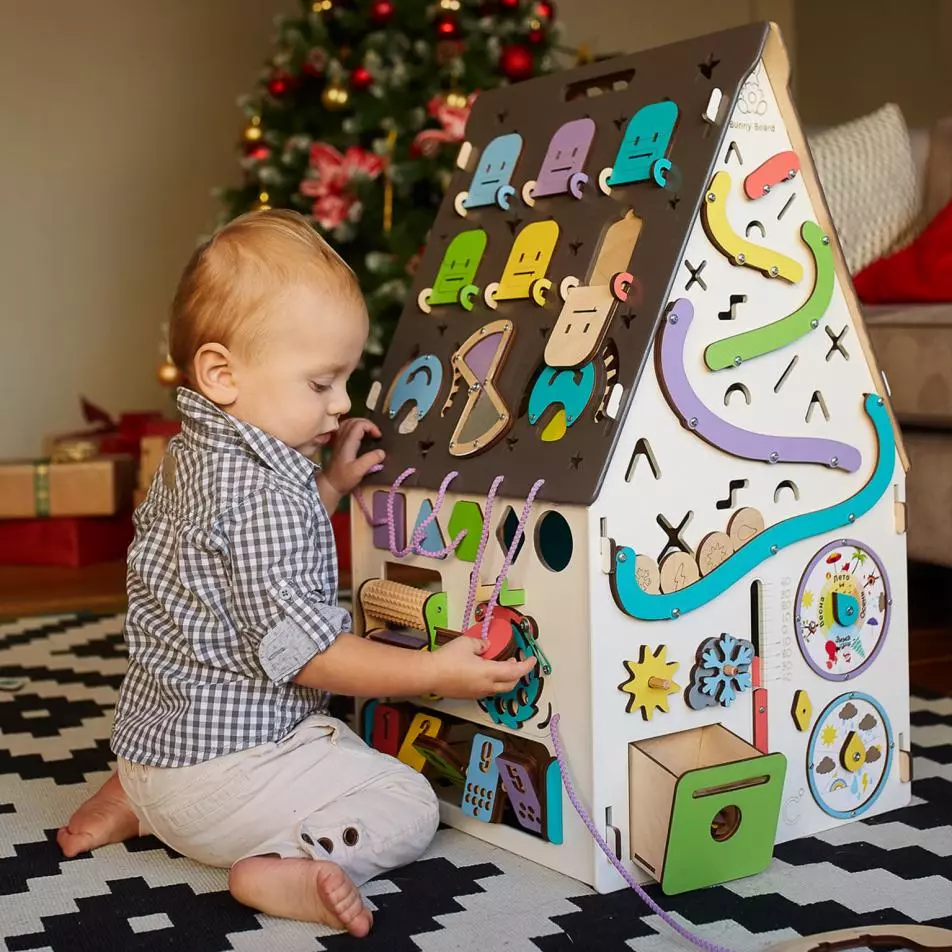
{"x":361,"y":79}
{"x":509,"y":4}
{"x":535,"y":37}
{"x":545,"y":10}
{"x":515,"y":61}
{"x":381,"y":11}
{"x":279,"y":84}
{"x":259,"y":153}
{"x":447,"y":28}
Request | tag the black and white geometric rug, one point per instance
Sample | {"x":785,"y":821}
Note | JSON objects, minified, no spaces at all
{"x":463,"y":895}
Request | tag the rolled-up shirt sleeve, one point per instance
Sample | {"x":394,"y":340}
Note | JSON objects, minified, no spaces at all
{"x":279,"y":545}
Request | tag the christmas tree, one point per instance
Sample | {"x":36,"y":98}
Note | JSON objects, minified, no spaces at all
{"x":356,"y":121}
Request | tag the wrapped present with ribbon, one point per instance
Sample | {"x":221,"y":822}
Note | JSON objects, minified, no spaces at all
{"x":108,"y":435}
{"x":75,"y":481}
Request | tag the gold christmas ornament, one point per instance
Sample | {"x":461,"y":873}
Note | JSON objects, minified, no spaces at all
{"x":262,"y":204}
{"x":321,"y":6}
{"x":335,"y":96}
{"x":253,"y":131}
{"x":455,"y":99}
{"x":168,"y":373}
{"x":452,"y":5}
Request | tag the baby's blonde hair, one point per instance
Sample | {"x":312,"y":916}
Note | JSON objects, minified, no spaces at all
{"x":223,"y":293}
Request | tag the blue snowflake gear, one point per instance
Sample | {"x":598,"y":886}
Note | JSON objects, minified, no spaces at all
{"x":513,"y":708}
{"x":722,"y":672}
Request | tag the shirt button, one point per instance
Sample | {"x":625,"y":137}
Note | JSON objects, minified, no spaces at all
{"x":285,"y":593}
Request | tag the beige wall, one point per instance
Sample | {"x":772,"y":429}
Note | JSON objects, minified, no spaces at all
{"x":118,"y":118}
{"x":625,"y":26}
{"x":855,"y":55}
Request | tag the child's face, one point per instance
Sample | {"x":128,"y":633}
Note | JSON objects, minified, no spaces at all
{"x":296,"y":387}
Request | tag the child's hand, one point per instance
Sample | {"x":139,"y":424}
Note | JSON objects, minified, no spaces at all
{"x":462,"y":673}
{"x":346,"y":469}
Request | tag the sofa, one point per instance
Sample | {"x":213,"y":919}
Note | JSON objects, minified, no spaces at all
{"x":913,"y":344}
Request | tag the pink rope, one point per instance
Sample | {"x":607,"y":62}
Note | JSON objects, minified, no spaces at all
{"x":510,"y":555}
{"x":610,"y":853}
{"x":362,"y":503}
{"x":477,"y":565}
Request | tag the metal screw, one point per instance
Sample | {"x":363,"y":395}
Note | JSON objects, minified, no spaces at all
{"x":879,"y":402}
{"x":814,"y":324}
{"x":741,"y":258}
{"x":825,"y":239}
{"x":524,"y":625}
{"x":675,"y":612}
{"x":673,"y":319}
{"x":835,"y":461}
{"x":711,"y":197}
{"x":621,"y":556}
{"x":792,"y":173}
{"x":774,"y":550}
{"x":692,"y":422}
{"x":852,"y":517}
{"x":766,"y":189}
{"x":774,"y":457}
{"x":738,"y":360}
{"x":475,"y":444}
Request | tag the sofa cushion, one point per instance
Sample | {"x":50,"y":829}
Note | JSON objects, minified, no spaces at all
{"x":871,"y":182}
{"x":920,"y":272}
{"x":913,"y":346}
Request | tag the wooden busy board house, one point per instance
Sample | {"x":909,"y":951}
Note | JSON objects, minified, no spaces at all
{"x":633,"y":313}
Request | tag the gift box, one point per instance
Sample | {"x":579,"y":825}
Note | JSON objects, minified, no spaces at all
{"x":108,"y":436}
{"x":66,"y":542}
{"x":98,"y":486}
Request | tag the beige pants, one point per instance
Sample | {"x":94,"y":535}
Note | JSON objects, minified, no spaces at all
{"x":318,"y":793}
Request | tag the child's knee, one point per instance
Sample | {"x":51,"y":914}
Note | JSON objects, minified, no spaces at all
{"x":424,"y":802}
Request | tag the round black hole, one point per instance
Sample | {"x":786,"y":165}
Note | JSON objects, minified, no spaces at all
{"x":554,"y":541}
{"x":725,"y":824}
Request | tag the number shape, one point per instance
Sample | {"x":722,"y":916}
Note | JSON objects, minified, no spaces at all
{"x":425,"y":724}
{"x":482,"y":779}
{"x":517,"y":772}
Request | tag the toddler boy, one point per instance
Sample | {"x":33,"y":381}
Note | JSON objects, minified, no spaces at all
{"x":225,"y":750}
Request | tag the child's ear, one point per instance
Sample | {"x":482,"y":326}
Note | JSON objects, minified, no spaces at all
{"x":214,"y":374}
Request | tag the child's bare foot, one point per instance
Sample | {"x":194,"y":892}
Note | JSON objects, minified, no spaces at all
{"x":307,"y":889}
{"x":105,"y":817}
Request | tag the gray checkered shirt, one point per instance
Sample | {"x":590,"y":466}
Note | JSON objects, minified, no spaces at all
{"x":232,"y":583}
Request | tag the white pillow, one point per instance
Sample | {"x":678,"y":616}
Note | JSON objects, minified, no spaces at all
{"x":869,"y":177}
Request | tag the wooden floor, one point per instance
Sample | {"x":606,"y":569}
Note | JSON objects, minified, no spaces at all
{"x":101,"y":588}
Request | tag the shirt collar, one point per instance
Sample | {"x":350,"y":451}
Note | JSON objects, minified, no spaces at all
{"x":206,"y":423}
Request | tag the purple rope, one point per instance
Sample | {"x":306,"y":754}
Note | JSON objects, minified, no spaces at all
{"x":510,"y":555}
{"x":612,"y":858}
{"x":359,"y":497}
{"x":480,"y":552}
